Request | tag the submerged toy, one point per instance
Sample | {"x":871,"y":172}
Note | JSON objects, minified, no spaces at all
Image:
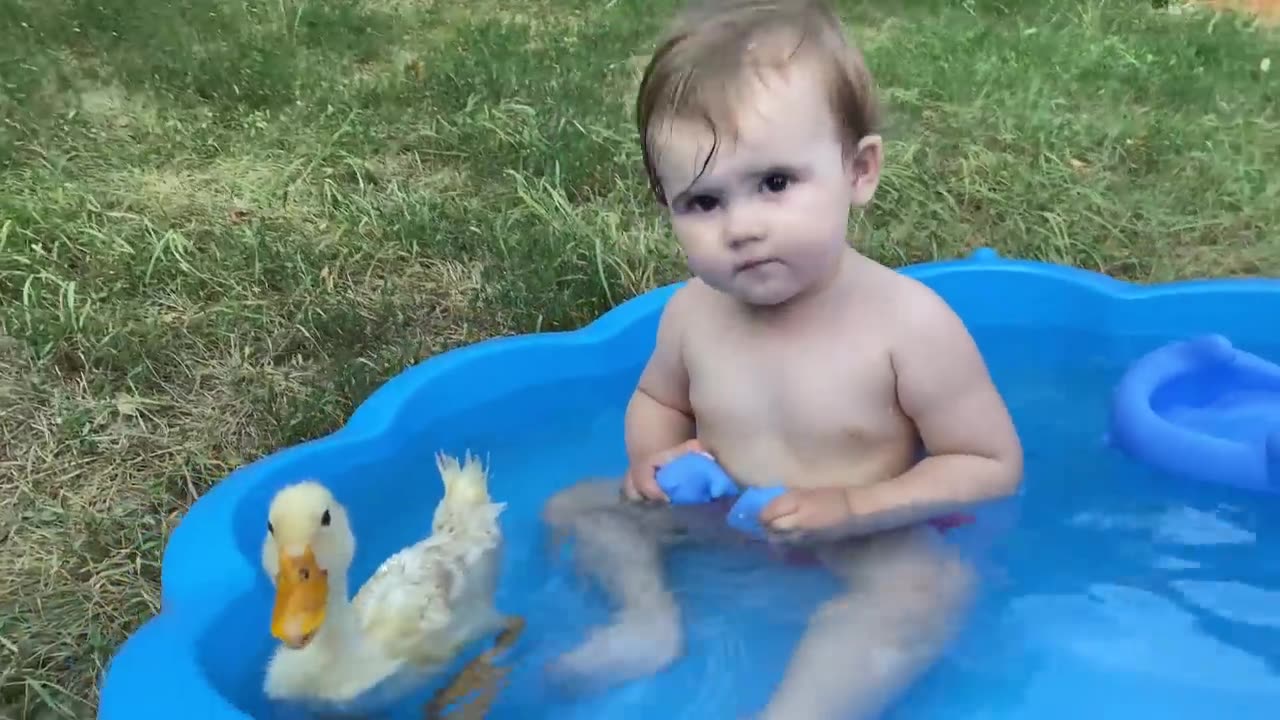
{"x":1202,"y":409}
{"x":697,"y":478}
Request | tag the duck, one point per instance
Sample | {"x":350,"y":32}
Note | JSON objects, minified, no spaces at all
{"x":421,"y":608}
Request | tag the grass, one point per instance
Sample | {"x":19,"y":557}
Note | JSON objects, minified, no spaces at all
{"x":224,"y":222}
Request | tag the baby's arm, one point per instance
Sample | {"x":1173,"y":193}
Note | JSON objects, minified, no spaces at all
{"x":659,"y":417}
{"x":945,"y":388}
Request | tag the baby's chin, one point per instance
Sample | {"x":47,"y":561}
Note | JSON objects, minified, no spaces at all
{"x":764,"y":299}
{"x":762,"y":294}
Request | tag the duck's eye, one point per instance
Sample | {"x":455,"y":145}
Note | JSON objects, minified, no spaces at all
{"x":271,"y":528}
{"x":325,"y":519}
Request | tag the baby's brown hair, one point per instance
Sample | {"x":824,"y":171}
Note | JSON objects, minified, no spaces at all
{"x":705,"y":60}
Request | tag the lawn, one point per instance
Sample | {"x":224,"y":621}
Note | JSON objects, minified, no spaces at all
{"x":224,"y":222}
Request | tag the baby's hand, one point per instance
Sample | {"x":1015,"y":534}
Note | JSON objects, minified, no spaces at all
{"x":641,"y":482}
{"x":807,"y":513}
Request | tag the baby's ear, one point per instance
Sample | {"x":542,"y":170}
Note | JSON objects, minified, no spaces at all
{"x":862,"y":167}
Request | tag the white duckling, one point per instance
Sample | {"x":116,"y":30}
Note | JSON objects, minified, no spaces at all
{"x":421,"y":607}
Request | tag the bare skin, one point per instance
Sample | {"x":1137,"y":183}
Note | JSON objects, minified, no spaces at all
{"x":822,"y":407}
{"x":821,"y":371}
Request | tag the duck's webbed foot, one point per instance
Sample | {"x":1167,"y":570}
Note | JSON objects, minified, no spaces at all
{"x":481,"y":678}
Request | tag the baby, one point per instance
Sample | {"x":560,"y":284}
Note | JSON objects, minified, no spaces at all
{"x":793,"y":360}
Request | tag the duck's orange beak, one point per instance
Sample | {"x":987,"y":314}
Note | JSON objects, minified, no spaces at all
{"x":302,"y":589}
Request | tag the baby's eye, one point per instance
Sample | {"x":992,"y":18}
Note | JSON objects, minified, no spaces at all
{"x":703,"y":203}
{"x":776,"y":182}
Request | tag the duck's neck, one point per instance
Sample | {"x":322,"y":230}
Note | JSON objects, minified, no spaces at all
{"x":340,"y":628}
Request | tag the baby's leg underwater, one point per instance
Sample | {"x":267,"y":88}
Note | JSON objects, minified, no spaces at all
{"x":906,"y":594}
{"x":619,"y":544}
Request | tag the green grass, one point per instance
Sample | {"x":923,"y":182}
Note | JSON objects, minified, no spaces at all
{"x":224,"y":222}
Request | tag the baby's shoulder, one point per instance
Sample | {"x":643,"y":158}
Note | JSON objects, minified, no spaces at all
{"x":916,"y":299}
{"x":914,"y":310}
{"x":697,"y":294}
{"x":893,"y":291}
{"x":683,"y":316}
{"x":689,"y":303}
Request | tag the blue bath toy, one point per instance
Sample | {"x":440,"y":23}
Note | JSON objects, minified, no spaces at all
{"x":697,"y":478}
{"x":745,"y":514}
{"x":1204,"y":410}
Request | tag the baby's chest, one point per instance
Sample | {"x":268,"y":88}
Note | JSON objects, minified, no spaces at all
{"x":818,"y":389}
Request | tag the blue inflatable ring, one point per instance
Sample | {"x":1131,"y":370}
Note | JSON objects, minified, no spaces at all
{"x":1204,"y":410}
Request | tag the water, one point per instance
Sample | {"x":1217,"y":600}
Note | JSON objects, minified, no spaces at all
{"x":1108,"y":590}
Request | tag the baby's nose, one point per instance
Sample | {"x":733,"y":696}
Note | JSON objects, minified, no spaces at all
{"x":742,"y":228}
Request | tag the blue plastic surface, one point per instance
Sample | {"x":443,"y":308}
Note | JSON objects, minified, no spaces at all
{"x":1204,"y":410}
{"x":697,"y":478}
{"x":211,"y":633}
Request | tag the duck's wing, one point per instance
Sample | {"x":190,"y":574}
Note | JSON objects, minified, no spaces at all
{"x":405,"y":606}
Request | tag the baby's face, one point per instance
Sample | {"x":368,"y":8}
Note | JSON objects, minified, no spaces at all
{"x":767,"y":217}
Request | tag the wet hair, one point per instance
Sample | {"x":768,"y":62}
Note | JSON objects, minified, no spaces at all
{"x":717,"y":49}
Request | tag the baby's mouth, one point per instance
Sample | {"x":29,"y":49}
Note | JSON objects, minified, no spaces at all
{"x":749,"y":264}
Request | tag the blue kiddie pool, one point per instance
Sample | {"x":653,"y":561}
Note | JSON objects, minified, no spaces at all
{"x":1108,"y":584}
